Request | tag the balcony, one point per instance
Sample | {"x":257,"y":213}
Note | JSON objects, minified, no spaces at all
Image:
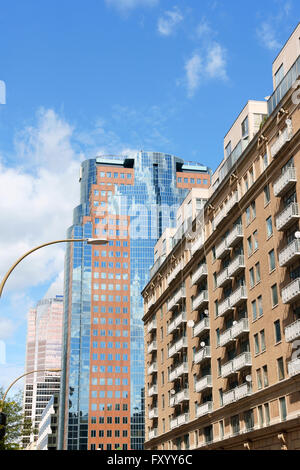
{"x":153,"y":433}
{"x":242,"y":361}
{"x":199,"y":274}
{"x":175,"y":348}
{"x":232,"y":201}
{"x":223,"y":278}
{"x":294,"y":367}
{"x":238,"y":296}
{"x":153,"y":413}
{"x":202,"y":326}
{"x":292,"y":331}
{"x":150,"y":302}
{"x":181,"y":318}
{"x":227,"y":369}
{"x":152,"y":368}
{"x":204,"y":409}
{"x":219,"y":217}
{"x":203,"y":354}
{"x":152,"y":347}
{"x":200,"y":300}
{"x":235,"y":236}
{"x":203,"y":383}
{"x":291,"y":292}
{"x":152,"y":390}
{"x":179,"y":397}
{"x":236,"y":266}
{"x":179,"y":294}
{"x":175,"y":271}
{"x":226,"y":337}
{"x":290,"y":253}
{"x":222,"y":249}
{"x":240,"y":328}
{"x":287,"y":216}
{"x":178,"y":371}
{"x":198,"y":243}
{"x":224,"y":307}
{"x":228,"y":397}
{"x":285,"y":182}
{"x":183,"y":419}
{"x":152,"y":325}
{"x":174,"y":423}
{"x":284,"y":137}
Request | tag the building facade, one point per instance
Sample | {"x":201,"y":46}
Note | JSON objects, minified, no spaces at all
{"x":43,"y":351}
{"x":47,"y":437}
{"x":222,"y":311}
{"x":129,"y":200}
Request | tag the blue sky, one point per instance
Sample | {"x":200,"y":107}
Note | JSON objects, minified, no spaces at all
{"x":110,"y":76}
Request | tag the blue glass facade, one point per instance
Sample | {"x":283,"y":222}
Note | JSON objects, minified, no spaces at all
{"x":151,"y":202}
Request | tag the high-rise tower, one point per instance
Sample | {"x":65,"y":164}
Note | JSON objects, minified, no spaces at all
{"x":129,"y":200}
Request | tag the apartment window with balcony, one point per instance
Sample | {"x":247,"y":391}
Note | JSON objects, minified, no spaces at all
{"x":267,"y":195}
{"x":280,"y":368}
{"x":265,"y":376}
{"x":274,"y":295}
{"x":277,"y":331}
{"x":235,"y":424}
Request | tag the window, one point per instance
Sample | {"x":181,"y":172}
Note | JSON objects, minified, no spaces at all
{"x":278,"y":75}
{"x":267,"y":413}
{"x":280,"y":368}
{"x":252,"y":279}
{"x":249,"y":245}
{"x":249,"y":420}
{"x":274,"y":294}
{"x":257,"y":272}
{"x":255,"y":237}
{"x":277,"y":331}
{"x":235,"y":424}
{"x":262,"y":340}
{"x":256,"y":343}
{"x":267,"y":194}
{"x":254,"y":310}
{"x":245,"y":128}
{"x":228,"y":149}
{"x":260,"y":306}
{"x":272,"y":260}
{"x":265,"y":161}
{"x":283,"y":412}
{"x":258,"y":378}
{"x":260,"y":415}
{"x":265,"y":376}
{"x":269,"y":226}
{"x":253,"y":210}
{"x":219,"y":366}
{"x":218,"y":336}
{"x":248,"y":216}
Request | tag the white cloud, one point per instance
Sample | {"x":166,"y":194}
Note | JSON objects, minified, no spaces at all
{"x":7,"y":328}
{"x":57,"y":287}
{"x":267,"y":35}
{"x":203,"y":28}
{"x":126,"y":5}
{"x":167,"y":23}
{"x":193,"y":68}
{"x":8,"y":373}
{"x":211,"y":65}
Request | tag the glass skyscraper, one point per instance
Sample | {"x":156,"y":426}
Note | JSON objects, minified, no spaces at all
{"x":130,"y":201}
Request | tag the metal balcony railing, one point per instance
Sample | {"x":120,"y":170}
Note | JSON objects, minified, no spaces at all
{"x":223,"y":278}
{"x":152,"y":325}
{"x":198,"y":244}
{"x":178,"y":371}
{"x":199,"y":274}
{"x":175,"y":348}
{"x":225,"y":337}
{"x":179,"y":397}
{"x":176,"y":322}
{"x":152,"y":391}
{"x":153,"y":413}
{"x":227,"y":369}
{"x":291,"y":292}
{"x":292,"y":331}
{"x":294,"y":367}
{"x":285,"y":182}
{"x":224,"y":307}
{"x":239,"y":295}
{"x":240,"y":328}
{"x":289,"y":253}
{"x":235,"y":236}
{"x":153,"y":433}
{"x":236,"y":266}
{"x":242,"y":360}
{"x":152,"y":368}
{"x":222,"y":249}
{"x":178,"y":268}
{"x":200,"y":300}
{"x":179,"y":294}
{"x":203,"y":383}
{"x":287,"y":216}
{"x":204,"y":409}
{"x":152,"y":347}
{"x":200,"y":327}
{"x":203,"y":354}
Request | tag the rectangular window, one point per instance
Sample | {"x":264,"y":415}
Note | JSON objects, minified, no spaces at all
{"x":277,"y":331}
{"x":267,"y":413}
{"x":235,"y":424}
{"x":262,"y":340}
{"x":265,"y":376}
{"x":269,"y":226}
{"x":260,"y":416}
{"x":258,"y":378}
{"x":260,"y":306}
{"x":255,"y":237}
{"x":252,"y":278}
{"x":254,"y":310}
{"x":267,"y":194}
{"x":283,"y":412}
{"x":257,"y":272}
{"x":249,"y":245}
{"x":272,"y":260}
{"x":256,"y":343}
{"x":280,"y":368}
{"x":274,"y":295}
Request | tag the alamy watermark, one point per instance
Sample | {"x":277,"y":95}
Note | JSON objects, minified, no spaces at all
{"x":2,"y":92}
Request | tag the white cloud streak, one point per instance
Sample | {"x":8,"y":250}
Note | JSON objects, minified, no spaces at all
{"x":167,"y":23}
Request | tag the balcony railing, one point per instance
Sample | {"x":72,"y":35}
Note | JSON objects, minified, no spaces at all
{"x":292,"y":331}
{"x":222,"y":249}
{"x":203,"y":383}
{"x":294,"y":367}
{"x":174,"y":423}
{"x":152,"y":391}
{"x":284,"y":137}
{"x":200,"y":300}
{"x":179,"y":294}
{"x":290,"y":253}
{"x":224,"y":307}
{"x":152,"y":325}
{"x":236,"y":393}
{"x":175,"y":348}
{"x":204,"y":409}
{"x":284,"y":86}
{"x":240,"y":328}
{"x":152,"y":368}
{"x":291,"y":292}
{"x":153,"y":413}
{"x":152,"y":347}
{"x":181,"y":318}
{"x":225,"y":337}
{"x":237,"y":265}
{"x":179,"y":397}
{"x":228,"y":397}
{"x":287,"y":216}
{"x":198,"y":243}
{"x":232,"y":201}
{"x":235,"y":236}
{"x":241,"y":361}
{"x":285,"y":182}
{"x":178,"y":371}
{"x":203,"y":354}
{"x":223,"y":278}
{"x":238,"y":296}
{"x":227,"y":369}
{"x":175,"y":271}
{"x":199,"y":274}
{"x":150,"y":302}
{"x":219,"y":217}
{"x":153,"y":433}
{"x":183,"y":419}
{"x":203,"y":325}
